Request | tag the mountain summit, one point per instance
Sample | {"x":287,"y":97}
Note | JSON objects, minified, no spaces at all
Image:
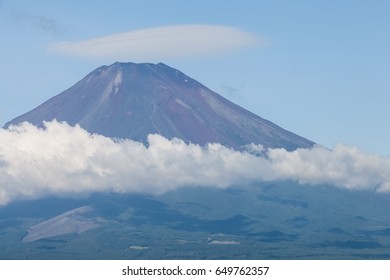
{"x":129,"y":100}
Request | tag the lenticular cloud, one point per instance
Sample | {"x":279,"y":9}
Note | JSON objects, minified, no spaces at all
{"x":66,"y":160}
{"x":175,"y":41}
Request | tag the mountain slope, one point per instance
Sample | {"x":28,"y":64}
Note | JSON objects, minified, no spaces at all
{"x":128,"y":100}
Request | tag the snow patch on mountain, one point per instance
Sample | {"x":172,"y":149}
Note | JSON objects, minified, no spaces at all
{"x":117,"y":81}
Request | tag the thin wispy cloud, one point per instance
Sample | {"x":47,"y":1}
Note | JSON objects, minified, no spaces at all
{"x":176,"y":41}
{"x":48,"y":25}
{"x":64,"y":160}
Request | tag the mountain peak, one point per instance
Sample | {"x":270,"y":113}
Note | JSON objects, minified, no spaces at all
{"x":132,"y":100}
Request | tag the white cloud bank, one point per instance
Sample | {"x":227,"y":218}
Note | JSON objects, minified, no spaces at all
{"x":65,"y":160}
{"x":160,"y":43}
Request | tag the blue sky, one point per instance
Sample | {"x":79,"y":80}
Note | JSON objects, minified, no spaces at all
{"x":317,"y":68}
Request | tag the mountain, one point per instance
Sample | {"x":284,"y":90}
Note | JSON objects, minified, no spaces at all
{"x":276,"y":220}
{"x":248,"y":220}
{"x":129,"y":100}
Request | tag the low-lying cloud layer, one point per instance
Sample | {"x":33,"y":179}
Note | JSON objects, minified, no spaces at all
{"x":65,"y":160}
{"x":160,"y":43}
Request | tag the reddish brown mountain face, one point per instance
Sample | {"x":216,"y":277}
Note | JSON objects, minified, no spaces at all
{"x":128,"y":100}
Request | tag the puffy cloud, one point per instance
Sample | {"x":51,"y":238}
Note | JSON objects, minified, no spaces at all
{"x":176,"y":41}
{"x":65,"y":160}
{"x":343,"y":166}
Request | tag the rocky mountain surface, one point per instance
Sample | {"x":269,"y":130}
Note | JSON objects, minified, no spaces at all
{"x":128,"y":100}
